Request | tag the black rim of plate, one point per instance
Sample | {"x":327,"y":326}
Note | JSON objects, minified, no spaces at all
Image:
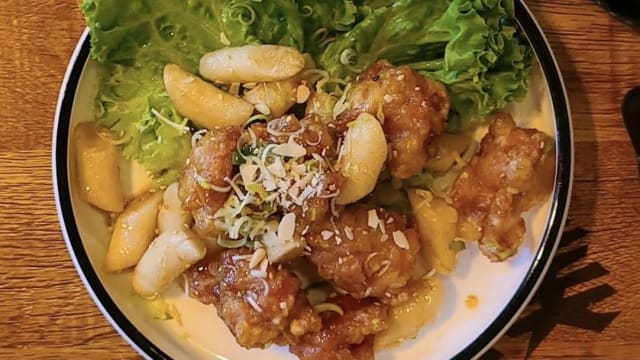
{"x":500,"y":324}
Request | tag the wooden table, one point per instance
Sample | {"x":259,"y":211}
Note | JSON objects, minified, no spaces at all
{"x":588,"y":307}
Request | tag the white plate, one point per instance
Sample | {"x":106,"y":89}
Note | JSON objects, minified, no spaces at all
{"x":458,"y":331}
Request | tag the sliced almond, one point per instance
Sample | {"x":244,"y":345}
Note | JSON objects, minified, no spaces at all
{"x":302,"y":94}
{"x":257,"y":257}
{"x":287,"y":227}
{"x":400,"y":239}
{"x":373,"y":219}
{"x":290,"y":149}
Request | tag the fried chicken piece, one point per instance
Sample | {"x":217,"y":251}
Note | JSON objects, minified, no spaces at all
{"x":346,"y":337}
{"x":314,"y":135}
{"x":362,"y":260}
{"x":309,"y":132}
{"x":258,"y":311}
{"x":209,"y":163}
{"x":413,"y":106}
{"x":513,"y":171}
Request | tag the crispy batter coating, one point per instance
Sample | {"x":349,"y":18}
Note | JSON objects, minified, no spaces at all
{"x":210,"y":161}
{"x":347,"y":337}
{"x":361,"y":260}
{"x":280,"y":313}
{"x":413,"y":106}
{"x":513,"y":171}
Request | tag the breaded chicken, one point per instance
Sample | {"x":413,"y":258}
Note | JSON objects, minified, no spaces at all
{"x":258,"y":311}
{"x":413,"y":106}
{"x":364,"y":252}
{"x":209,"y":163}
{"x":315,"y":137}
{"x":513,"y":171}
{"x":346,"y":337}
{"x":309,"y":132}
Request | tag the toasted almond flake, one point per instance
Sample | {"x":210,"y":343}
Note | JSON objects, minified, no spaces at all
{"x":269,"y":184}
{"x":348,"y":232}
{"x":257,"y":257}
{"x":338,"y":240}
{"x":263,"y":266}
{"x":388,"y":98}
{"x":383,"y":228}
{"x":390,"y":220}
{"x":286,"y":227}
{"x":367,"y":293}
{"x":305,"y":230}
{"x":417,"y":88}
{"x":258,"y":274}
{"x":263,"y":108}
{"x":248,"y":173}
{"x":224,"y":39}
{"x":302,"y":94}
{"x":384,"y":238}
{"x":283,"y":305}
{"x":400,"y":240}
{"x":373,"y":219}
{"x":277,"y":169}
{"x":326,"y":235}
{"x":401,"y":77}
{"x":290,"y":149}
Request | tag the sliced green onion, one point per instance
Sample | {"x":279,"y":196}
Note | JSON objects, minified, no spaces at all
{"x":237,"y":158}
{"x":256,"y":118}
{"x":320,"y":35}
{"x":307,"y":11}
{"x":320,"y":308}
{"x":163,"y":119}
{"x":457,"y":246}
{"x":348,"y":57}
{"x":239,"y":11}
{"x":231,"y":244}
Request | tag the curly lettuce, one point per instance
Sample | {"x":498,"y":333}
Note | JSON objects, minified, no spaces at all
{"x":472,"y":46}
{"x":134,"y":39}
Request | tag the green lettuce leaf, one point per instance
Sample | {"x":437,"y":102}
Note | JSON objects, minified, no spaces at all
{"x":134,"y":39}
{"x":472,"y":46}
{"x":324,"y":20}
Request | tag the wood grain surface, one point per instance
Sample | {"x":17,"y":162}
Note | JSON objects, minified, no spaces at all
{"x":45,"y":313}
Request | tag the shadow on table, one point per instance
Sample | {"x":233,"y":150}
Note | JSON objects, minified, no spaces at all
{"x":551,"y":305}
